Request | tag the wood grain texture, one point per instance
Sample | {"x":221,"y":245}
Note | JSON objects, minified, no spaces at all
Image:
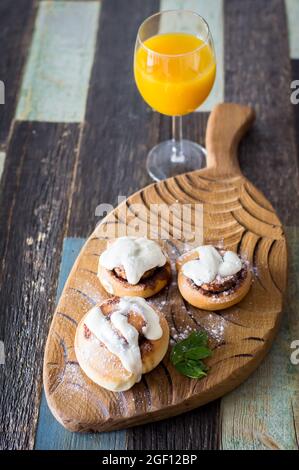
{"x":16,"y":26}
{"x":259,"y":414}
{"x":292,"y":7}
{"x":55,"y":83}
{"x":2,"y":160}
{"x":236,"y":215}
{"x":295,"y":76}
{"x":198,"y":429}
{"x":253,"y":33}
{"x":293,"y":321}
{"x":268,"y":155}
{"x":36,"y":187}
{"x":119,"y":129}
{"x":263,"y":412}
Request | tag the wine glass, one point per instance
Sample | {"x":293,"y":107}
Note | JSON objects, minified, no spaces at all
{"x":174,"y":69}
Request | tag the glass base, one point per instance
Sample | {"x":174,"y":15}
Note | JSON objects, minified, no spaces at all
{"x":170,"y":159}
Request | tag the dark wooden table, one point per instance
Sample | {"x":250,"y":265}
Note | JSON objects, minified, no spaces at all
{"x":74,"y":133}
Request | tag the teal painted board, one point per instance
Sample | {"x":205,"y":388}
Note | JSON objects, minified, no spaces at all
{"x":56,"y":79}
{"x":292,"y":7}
{"x":263,"y":412}
{"x":50,"y":434}
{"x":71,"y":249}
{"x":212,"y":12}
{"x":2,"y":159}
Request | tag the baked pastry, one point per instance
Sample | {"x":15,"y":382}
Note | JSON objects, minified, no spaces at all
{"x":210,"y":278}
{"x":132,"y":266}
{"x":119,"y":340}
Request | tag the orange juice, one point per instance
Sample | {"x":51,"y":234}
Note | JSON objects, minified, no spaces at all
{"x":174,"y":72}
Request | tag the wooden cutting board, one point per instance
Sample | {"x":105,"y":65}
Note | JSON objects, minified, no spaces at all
{"x":235,"y":215}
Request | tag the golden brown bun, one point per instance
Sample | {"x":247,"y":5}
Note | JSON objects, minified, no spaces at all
{"x":205,"y":300}
{"x":106,"y":369}
{"x":146,"y":287}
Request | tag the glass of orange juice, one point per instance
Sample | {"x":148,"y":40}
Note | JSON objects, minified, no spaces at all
{"x":174,"y":69}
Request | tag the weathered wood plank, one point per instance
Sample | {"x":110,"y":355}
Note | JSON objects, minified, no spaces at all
{"x":263,"y":412}
{"x":137,"y":429}
{"x":36,"y":188}
{"x":260,"y":414}
{"x":255,"y":77}
{"x":198,"y":429}
{"x":120,"y":129}
{"x":212,"y":11}
{"x":293,"y":318}
{"x":292,"y":7}
{"x":295,"y":76}
{"x":50,"y":434}
{"x":55,"y":83}
{"x":2,"y":160}
{"x":15,"y":33}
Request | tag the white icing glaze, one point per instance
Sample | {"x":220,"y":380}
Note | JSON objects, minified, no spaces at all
{"x":135,"y":255}
{"x":132,"y":352}
{"x":211,"y":264}
{"x":106,"y":331}
{"x":107,"y":285}
{"x":152,"y":329}
{"x":231,"y":264}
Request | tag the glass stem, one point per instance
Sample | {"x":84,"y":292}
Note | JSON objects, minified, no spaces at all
{"x":177,"y":155}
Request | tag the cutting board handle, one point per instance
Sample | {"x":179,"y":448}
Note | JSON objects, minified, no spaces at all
{"x":227,"y":124}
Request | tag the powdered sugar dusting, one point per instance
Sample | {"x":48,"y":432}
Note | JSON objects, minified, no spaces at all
{"x":177,"y":336}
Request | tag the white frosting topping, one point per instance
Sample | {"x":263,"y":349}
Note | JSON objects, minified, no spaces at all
{"x":211,"y":264}
{"x":135,"y":255}
{"x":107,"y":330}
{"x":107,"y":285}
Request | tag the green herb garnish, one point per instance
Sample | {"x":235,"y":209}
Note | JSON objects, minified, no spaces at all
{"x":187,"y":355}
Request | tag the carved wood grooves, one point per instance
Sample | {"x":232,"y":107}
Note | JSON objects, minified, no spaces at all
{"x":237,"y":216}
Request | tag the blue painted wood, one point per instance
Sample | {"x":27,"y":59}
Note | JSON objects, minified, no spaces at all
{"x":50,"y":434}
{"x":2,"y":159}
{"x":55,"y":83}
{"x":292,"y":7}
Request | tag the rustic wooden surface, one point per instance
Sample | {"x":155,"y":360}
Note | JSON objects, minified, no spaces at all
{"x":267,"y":75}
{"x":236,"y":215}
{"x":39,"y":163}
{"x":246,"y":83}
{"x":124,"y":147}
{"x":16,"y":26}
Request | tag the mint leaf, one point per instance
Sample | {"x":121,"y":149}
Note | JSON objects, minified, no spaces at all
{"x":194,"y":371}
{"x":200,"y":352}
{"x":187,"y":355}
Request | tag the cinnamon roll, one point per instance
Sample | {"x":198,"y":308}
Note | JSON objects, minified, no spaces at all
{"x":213,"y":279}
{"x":119,"y":340}
{"x":132,"y":266}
